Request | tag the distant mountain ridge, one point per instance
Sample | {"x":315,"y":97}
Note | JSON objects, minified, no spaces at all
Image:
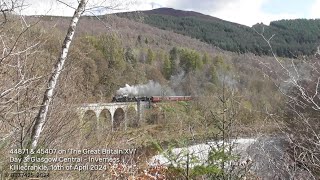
{"x":181,"y":13}
{"x":174,"y":12}
{"x":292,"y":37}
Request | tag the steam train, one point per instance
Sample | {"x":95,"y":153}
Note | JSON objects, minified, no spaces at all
{"x":153,"y":99}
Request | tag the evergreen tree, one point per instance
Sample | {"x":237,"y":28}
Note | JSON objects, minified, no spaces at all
{"x":139,"y":39}
{"x":205,"y":58}
{"x":150,"y":56}
{"x":174,"y":54}
{"x":112,"y":49}
{"x":167,"y":69}
{"x":190,"y":60}
{"x":129,"y":56}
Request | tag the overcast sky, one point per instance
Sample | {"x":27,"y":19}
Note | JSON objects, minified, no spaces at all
{"x":247,"y":12}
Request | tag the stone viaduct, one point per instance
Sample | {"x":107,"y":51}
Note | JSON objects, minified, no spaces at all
{"x":117,"y":115}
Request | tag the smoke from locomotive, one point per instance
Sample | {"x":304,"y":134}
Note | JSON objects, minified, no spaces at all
{"x":151,"y":92}
{"x":150,"y":89}
{"x":153,"y":99}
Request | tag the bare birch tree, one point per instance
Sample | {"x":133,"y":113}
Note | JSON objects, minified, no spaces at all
{"x":20,"y":77}
{"x":15,"y":65}
{"x":48,"y":95}
{"x":83,"y":6}
{"x":298,"y":81}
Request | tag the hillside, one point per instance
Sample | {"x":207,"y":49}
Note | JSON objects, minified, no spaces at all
{"x":113,"y":51}
{"x":292,"y":37}
{"x":233,"y":95}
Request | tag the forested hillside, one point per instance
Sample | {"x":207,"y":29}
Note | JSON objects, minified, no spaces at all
{"x":292,"y":37}
{"x":234,"y":95}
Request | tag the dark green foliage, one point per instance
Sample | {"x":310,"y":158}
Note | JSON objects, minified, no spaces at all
{"x":187,"y":59}
{"x":150,"y":56}
{"x":174,"y":60}
{"x":167,"y":68}
{"x":139,"y":39}
{"x":190,"y":60}
{"x":129,"y":56}
{"x":292,"y":37}
{"x":220,"y":63}
{"x":205,"y":58}
{"x":112,"y":50}
{"x":213,"y":75}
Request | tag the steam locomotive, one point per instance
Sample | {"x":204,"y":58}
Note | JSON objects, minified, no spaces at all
{"x":153,"y":99}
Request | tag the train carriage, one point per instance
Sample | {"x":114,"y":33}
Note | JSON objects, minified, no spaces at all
{"x":154,"y":99}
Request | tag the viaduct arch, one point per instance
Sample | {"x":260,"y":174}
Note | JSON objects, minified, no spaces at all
{"x":113,"y":116}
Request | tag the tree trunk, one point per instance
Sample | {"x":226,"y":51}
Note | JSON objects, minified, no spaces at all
{"x":47,"y":98}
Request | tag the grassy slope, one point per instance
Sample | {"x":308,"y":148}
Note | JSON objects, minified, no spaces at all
{"x":158,"y":40}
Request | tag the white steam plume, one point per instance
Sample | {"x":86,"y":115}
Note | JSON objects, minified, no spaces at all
{"x":150,"y":89}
